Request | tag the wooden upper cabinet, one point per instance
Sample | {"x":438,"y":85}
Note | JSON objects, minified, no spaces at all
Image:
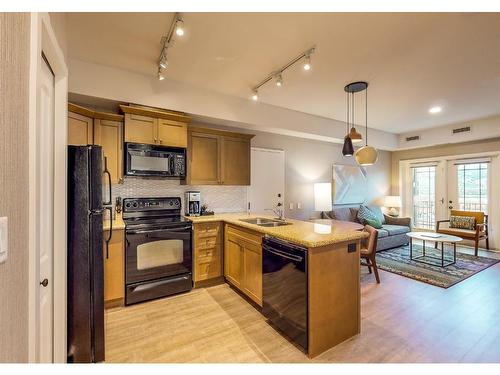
{"x":172,"y":133}
{"x":87,"y":126}
{"x":80,"y":129}
{"x":218,"y":157}
{"x":203,"y":164}
{"x":235,"y":161}
{"x":155,"y":126}
{"x":109,"y":134}
{"x":140,"y":129}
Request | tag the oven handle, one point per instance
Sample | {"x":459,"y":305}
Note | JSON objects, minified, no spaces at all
{"x":157,"y":230}
{"x":295,"y":258}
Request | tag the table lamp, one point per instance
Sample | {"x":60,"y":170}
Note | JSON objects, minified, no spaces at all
{"x":392,"y":203}
{"x":323,"y":196}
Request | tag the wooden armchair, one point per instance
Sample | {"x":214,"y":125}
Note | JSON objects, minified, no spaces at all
{"x":477,"y":234}
{"x":368,"y":250}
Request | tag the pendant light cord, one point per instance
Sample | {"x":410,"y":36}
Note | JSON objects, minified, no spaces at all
{"x":366,"y":116}
{"x":347,"y":117}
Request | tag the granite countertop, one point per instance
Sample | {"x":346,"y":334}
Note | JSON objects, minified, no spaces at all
{"x":118,"y":223}
{"x":306,"y":233}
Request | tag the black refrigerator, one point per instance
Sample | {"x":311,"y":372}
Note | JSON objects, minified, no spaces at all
{"x":85,"y":254}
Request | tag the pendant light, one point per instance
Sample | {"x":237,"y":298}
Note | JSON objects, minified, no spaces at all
{"x":347,"y":149}
{"x":366,"y":155}
{"x":352,"y":88}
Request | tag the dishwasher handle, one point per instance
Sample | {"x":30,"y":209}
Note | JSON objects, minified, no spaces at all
{"x":283,"y":254}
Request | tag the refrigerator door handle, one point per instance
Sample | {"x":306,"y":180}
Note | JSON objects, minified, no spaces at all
{"x":106,"y":171}
{"x":110,"y":208}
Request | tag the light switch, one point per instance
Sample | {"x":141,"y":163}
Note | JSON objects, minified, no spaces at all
{"x":299,"y":205}
{"x":3,"y":239}
{"x":291,"y":205}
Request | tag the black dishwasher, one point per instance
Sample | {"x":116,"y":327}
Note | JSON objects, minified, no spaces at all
{"x":284,"y":288}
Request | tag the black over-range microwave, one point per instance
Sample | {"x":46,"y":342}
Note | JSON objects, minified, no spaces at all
{"x":154,"y":161}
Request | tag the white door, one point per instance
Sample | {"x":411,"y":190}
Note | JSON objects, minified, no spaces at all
{"x":267,"y":187}
{"x":46,"y":213}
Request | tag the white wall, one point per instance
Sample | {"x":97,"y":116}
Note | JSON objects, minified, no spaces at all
{"x":116,"y":84}
{"x":485,"y":128}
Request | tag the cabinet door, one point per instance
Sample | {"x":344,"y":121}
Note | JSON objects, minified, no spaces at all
{"x":252,"y":274}
{"x":80,"y":130}
{"x":207,"y":251}
{"x":109,"y":135}
{"x":114,"y":277}
{"x":203,"y":168}
{"x":141,"y":129}
{"x":233,"y":260}
{"x":172,"y":133}
{"x":235,"y":161}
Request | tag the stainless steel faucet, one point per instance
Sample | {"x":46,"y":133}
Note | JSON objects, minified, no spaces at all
{"x":278,"y":211}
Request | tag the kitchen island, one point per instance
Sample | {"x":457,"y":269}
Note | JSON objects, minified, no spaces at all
{"x":228,"y":245}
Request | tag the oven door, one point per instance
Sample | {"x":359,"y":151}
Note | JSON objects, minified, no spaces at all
{"x":158,"y":252}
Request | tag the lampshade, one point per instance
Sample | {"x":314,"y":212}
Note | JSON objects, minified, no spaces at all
{"x":323,"y":196}
{"x":355,"y":136}
{"x":347,"y":149}
{"x":392,"y":201}
{"x":366,"y":155}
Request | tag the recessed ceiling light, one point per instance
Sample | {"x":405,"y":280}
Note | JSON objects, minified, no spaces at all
{"x":436,"y":109}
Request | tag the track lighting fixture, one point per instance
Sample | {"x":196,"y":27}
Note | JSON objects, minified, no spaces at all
{"x":279,"y":80}
{"x":255,"y":95}
{"x":278,"y":77}
{"x":179,"y":27}
{"x":176,"y":26}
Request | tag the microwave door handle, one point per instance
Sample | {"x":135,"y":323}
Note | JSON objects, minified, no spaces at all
{"x":106,"y":171}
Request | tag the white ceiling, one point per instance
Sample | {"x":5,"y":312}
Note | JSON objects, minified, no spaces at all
{"x":411,"y":61}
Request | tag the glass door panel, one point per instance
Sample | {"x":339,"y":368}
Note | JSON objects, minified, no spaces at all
{"x":424,"y":197}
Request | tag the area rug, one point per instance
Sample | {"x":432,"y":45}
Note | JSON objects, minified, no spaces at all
{"x":398,"y":261}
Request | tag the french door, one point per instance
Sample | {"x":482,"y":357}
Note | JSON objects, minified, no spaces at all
{"x":437,"y":188}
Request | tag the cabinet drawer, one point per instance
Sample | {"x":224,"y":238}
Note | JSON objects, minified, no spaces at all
{"x":207,"y":243}
{"x":203,"y":230}
{"x":208,"y":255}
{"x":209,"y":270}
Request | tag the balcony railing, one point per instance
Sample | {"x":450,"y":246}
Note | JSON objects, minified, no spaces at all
{"x":424,"y":215}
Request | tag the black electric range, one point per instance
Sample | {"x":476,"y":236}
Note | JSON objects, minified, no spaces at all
{"x":158,"y":255}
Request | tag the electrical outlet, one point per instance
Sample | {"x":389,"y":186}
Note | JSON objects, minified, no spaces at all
{"x":291,"y":205}
{"x":299,"y":206}
{"x":3,"y":239}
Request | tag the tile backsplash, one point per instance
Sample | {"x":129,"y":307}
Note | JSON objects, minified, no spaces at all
{"x":218,"y":198}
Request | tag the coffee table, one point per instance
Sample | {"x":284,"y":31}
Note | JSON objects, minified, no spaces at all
{"x":434,"y":237}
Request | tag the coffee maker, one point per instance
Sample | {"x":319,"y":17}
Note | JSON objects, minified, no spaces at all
{"x":192,"y":203}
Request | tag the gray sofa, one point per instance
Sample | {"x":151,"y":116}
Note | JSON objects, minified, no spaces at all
{"x":393,"y":231}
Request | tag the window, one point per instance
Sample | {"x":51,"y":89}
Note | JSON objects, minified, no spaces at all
{"x":424,"y":197}
{"x":473,"y":187}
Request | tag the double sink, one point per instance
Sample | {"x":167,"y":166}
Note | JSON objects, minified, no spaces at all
{"x":264,"y":222}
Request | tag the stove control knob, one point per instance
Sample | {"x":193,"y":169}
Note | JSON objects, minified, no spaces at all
{"x":127,"y":205}
{"x":171,"y":203}
{"x":135,"y":205}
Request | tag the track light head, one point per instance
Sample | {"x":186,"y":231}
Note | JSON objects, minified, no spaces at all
{"x":255,"y":95}
{"x":179,"y":27}
{"x":163,"y":63}
{"x":307,"y":62}
{"x":161,"y":77}
{"x":279,"y":80}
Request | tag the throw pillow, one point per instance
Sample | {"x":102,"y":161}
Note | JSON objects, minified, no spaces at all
{"x":364,"y":213}
{"x":374,"y":223}
{"x":377,"y":211}
{"x":463,"y":222}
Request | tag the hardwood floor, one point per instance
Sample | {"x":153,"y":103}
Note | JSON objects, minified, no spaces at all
{"x":403,"y":320}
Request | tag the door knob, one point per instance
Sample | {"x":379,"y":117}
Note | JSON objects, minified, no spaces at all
{"x":44,"y":283}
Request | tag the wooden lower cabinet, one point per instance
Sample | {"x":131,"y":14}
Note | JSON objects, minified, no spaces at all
{"x":243,"y":261}
{"x":207,"y":251}
{"x":114,"y":269}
